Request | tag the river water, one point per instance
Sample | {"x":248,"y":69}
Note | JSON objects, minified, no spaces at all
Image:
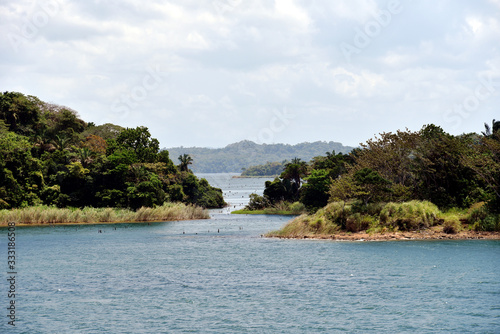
{"x":221,"y":276}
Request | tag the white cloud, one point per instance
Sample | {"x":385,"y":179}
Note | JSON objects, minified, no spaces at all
{"x":227,"y":64}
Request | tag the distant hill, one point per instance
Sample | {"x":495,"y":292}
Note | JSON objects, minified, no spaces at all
{"x":234,"y":157}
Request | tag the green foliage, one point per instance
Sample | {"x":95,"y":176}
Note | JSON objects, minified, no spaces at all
{"x":279,"y":190}
{"x":314,"y":193}
{"x":164,"y":157}
{"x":371,"y":186}
{"x":452,"y":226}
{"x":20,"y":178}
{"x":295,"y":171}
{"x":269,"y":169}
{"x":417,"y":173}
{"x":339,"y":216}
{"x":139,"y":142}
{"x":50,"y":156}
{"x":490,"y":223}
{"x":19,"y":112}
{"x":280,"y":208}
{"x":358,"y":222}
{"x":106,"y":131}
{"x":410,"y":216}
{"x":257,"y":202}
{"x":210,"y":197}
{"x":185,"y":160}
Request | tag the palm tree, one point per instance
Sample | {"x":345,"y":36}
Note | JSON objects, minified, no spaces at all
{"x":185,"y":160}
{"x":490,"y":131}
{"x":84,"y":155}
{"x":295,"y":171}
{"x":61,"y":142}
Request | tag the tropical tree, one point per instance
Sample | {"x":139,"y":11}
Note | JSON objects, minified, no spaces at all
{"x":314,"y":193}
{"x":96,"y":144}
{"x":21,"y":113}
{"x":185,"y":160}
{"x":372,"y":186}
{"x":489,"y":131}
{"x":295,"y":171}
{"x":61,"y":142}
{"x":483,"y":158}
{"x":139,"y":141}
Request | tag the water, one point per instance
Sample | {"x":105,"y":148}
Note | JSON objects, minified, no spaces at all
{"x":221,"y":276}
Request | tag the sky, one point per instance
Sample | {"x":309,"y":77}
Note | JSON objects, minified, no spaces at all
{"x":208,"y":73}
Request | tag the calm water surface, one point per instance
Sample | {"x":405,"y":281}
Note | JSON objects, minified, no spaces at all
{"x":220,"y":276}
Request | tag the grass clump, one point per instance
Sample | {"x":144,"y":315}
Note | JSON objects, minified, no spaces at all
{"x":324,"y":221}
{"x":480,"y":219}
{"x":410,"y":216}
{"x":373,"y":218}
{"x":52,"y":215}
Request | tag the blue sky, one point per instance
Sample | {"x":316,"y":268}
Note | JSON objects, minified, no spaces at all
{"x":210,"y":73}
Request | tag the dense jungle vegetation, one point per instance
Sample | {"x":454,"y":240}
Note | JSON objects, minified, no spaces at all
{"x":454,"y":179}
{"x":49,"y":156}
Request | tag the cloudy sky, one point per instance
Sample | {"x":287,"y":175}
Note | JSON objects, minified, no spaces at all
{"x":212,"y":72}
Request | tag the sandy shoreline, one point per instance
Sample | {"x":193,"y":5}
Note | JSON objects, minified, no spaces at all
{"x":393,"y":236}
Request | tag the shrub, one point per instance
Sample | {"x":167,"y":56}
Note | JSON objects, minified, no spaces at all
{"x":477,"y":212}
{"x":409,"y":216}
{"x":257,"y":202}
{"x":337,"y":213}
{"x":490,"y":223}
{"x":452,"y":227}
{"x":358,"y":222}
{"x":297,"y":208}
{"x":317,"y":224}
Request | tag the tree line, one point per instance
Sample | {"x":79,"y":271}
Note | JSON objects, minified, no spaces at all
{"x":267,"y":169}
{"x":427,"y":165}
{"x":237,"y":156}
{"x":50,"y":156}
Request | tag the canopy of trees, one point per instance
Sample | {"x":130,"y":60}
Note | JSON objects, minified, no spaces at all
{"x":427,"y":165}
{"x":50,"y":156}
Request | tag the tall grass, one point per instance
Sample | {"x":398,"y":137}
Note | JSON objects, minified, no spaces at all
{"x":341,"y":216}
{"x":324,"y":221}
{"x":410,"y":216}
{"x":52,"y":215}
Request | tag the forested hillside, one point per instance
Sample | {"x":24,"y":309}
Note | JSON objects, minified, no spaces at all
{"x":235,"y":157}
{"x":50,"y":156}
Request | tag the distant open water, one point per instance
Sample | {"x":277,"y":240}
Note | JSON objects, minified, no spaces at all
{"x":220,"y":276}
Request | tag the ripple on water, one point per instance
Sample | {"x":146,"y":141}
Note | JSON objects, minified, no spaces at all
{"x":177,"y":277}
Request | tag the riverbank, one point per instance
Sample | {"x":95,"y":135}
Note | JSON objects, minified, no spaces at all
{"x":45,"y":215}
{"x":414,"y":220}
{"x":429,"y":234}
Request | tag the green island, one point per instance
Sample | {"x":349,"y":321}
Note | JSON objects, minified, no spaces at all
{"x":269,"y":169}
{"x":404,"y":185}
{"x":57,"y":168}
